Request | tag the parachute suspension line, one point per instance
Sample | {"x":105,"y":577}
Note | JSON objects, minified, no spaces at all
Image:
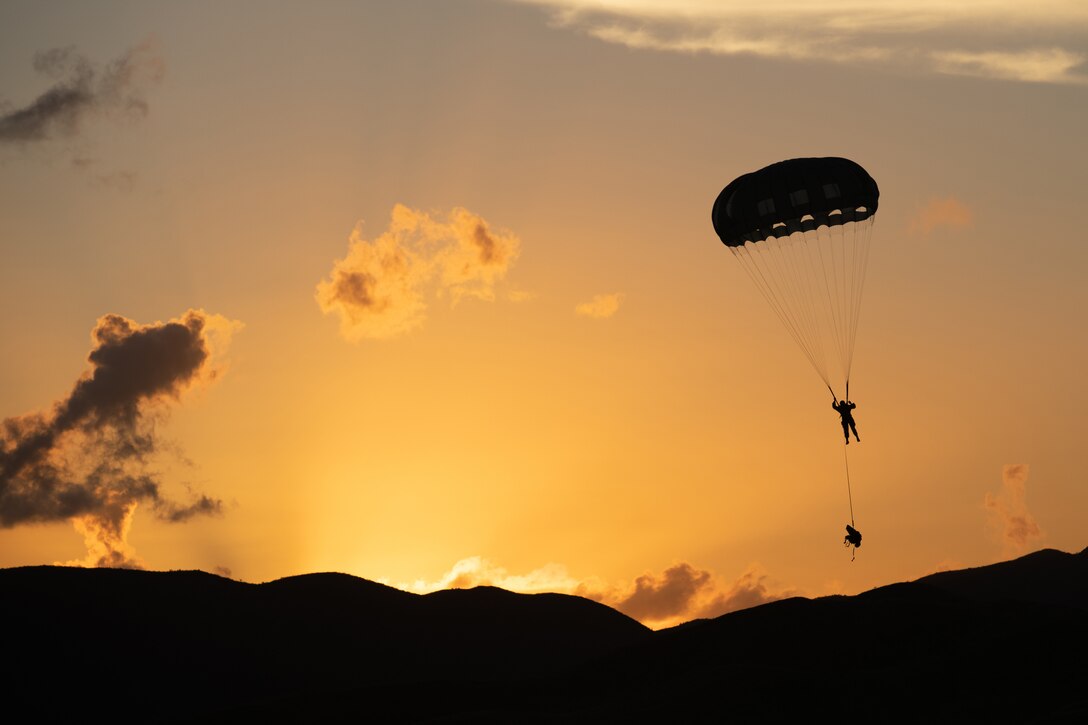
{"x":844,"y":288}
{"x":849,"y":494}
{"x":843,"y":259}
{"x":786,"y":269}
{"x":817,"y":289}
{"x":835,"y":321}
{"x":848,"y":271}
{"x":849,"y":276}
{"x":813,"y":281}
{"x":778,"y":298}
{"x":863,"y":237}
{"x":756,"y":274}
{"x":850,"y":248}
{"x":767,"y":289}
{"x":835,"y":284}
{"x":846,"y":261}
{"x":808,"y":311}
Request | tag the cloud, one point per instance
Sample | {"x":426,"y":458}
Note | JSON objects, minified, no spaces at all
{"x":1044,"y":65}
{"x":382,"y":287}
{"x":1009,"y":514}
{"x":82,"y":90}
{"x":105,"y":535}
{"x":120,"y":180}
{"x":89,"y":458}
{"x":950,"y":212}
{"x":476,"y":571}
{"x":1001,"y":39}
{"x":656,"y":598}
{"x":946,"y":565}
{"x":681,"y":593}
{"x":600,"y":307}
{"x":520,"y":295}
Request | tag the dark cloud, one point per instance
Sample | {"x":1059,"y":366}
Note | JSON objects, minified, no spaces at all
{"x":672,"y":593}
{"x":81,"y":90}
{"x":749,"y":590}
{"x":491,"y":252}
{"x":89,"y":458}
{"x":683,"y":592}
{"x":203,"y":506}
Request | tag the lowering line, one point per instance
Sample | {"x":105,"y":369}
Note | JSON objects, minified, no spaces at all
{"x":849,"y":495}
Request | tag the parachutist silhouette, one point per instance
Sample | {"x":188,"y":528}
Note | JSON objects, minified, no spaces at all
{"x":843,"y":408}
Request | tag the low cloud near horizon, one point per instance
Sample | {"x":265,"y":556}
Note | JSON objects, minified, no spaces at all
{"x":681,"y":593}
{"x":1039,"y":42}
{"x":383,"y":287}
{"x":1009,"y":515}
{"x":89,"y":459}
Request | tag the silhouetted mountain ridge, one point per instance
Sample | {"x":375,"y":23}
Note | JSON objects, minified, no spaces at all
{"x":1004,"y":642}
{"x":1046,"y":577}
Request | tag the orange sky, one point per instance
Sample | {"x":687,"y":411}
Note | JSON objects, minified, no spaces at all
{"x":539,"y":367}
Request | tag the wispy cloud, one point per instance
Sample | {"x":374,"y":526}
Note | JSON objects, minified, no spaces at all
{"x":1041,"y":41}
{"x":81,"y":90}
{"x":120,"y":180}
{"x":681,"y":593}
{"x":1042,"y":65}
{"x":1009,"y":513}
{"x":476,"y":571}
{"x":949,"y":212}
{"x":382,"y":287}
{"x":601,"y":306}
{"x":89,"y":458}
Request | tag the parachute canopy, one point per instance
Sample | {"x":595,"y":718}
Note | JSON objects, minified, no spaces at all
{"x":801,"y":229}
{"x":794,"y":196}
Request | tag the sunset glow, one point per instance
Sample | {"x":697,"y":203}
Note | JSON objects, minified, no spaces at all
{"x":428,"y":293}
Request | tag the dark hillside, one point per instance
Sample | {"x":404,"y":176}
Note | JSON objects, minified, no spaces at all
{"x":1002,"y":643}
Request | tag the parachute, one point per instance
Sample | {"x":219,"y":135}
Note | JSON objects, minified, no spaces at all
{"x":801,"y":230}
